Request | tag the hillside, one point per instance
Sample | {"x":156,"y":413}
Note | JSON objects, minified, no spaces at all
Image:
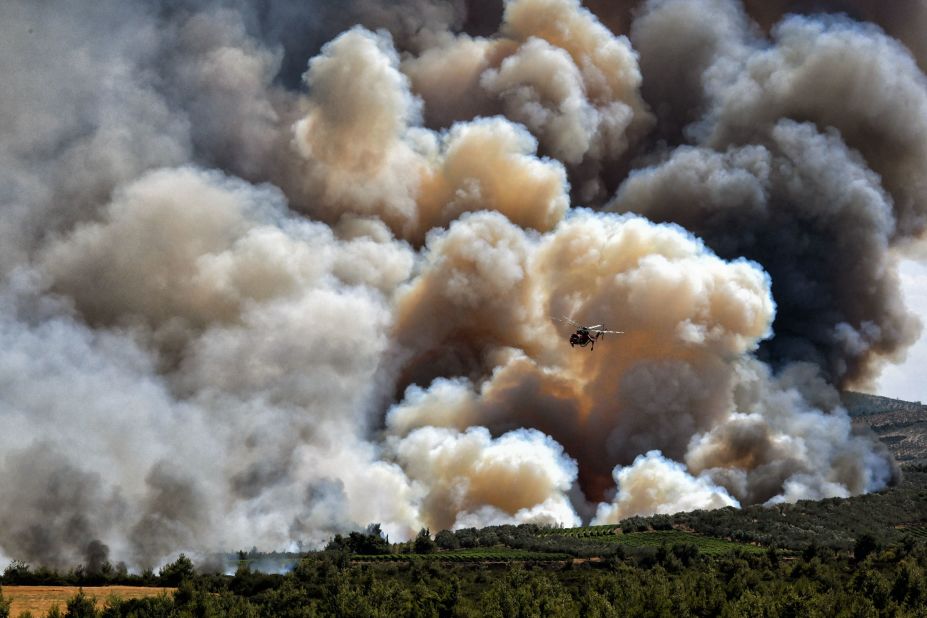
{"x":901,"y":425}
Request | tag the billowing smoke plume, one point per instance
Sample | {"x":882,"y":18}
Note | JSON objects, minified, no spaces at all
{"x":807,"y":155}
{"x":277,"y":271}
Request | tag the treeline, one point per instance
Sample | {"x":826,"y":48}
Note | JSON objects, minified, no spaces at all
{"x":667,"y":581}
{"x":521,"y":538}
{"x":22,"y":574}
{"x":373,"y":542}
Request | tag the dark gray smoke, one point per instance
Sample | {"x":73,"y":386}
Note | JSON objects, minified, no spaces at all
{"x":52,"y":509}
{"x":96,"y":557}
{"x":273,"y":271}
{"x":805,"y":155}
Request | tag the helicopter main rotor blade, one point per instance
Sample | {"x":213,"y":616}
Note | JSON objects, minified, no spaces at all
{"x":595,"y":328}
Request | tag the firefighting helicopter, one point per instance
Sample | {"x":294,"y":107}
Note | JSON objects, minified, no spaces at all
{"x":585,"y":335}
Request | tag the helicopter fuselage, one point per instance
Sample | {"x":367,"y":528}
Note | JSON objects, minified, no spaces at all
{"x":586,"y":335}
{"x":582,"y":338}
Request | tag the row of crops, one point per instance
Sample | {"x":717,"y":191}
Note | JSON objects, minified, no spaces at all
{"x":469,"y":555}
{"x":584,"y":532}
{"x":653,"y":538}
{"x":705,"y":544}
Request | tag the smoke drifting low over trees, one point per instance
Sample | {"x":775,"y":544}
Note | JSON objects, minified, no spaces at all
{"x":273,"y":271}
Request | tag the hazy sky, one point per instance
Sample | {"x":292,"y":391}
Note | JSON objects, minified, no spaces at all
{"x":906,"y":381}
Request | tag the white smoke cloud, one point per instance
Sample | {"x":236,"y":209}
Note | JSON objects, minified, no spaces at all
{"x":258,"y":406}
{"x":554,"y":68}
{"x":654,"y":484}
{"x":789,"y":440}
{"x":470,"y":479}
{"x":366,"y":153}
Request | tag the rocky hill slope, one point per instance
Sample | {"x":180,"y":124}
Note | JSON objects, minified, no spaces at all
{"x":901,"y":425}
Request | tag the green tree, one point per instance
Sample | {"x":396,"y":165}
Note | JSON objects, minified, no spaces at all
{"x":523,"y":593}
{"x":423,"y":543}
{"x":865,"y":545}
{"x":909,"y":586}
{"x":467,"y":537}
{"x":17,"y":573}
{"x":374,"y":530}
{"x":687,"y":553}
{"x":873,"y":586}
{"x":371,"y":542}
{"x":176,"y":572}
{"x":447,"y":540}
{"x":772,"y":555}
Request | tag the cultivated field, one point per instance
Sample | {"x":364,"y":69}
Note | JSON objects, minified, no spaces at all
{"x":583,"y":532}
{"x":901,"y":425}
{"x":40,"y":599}
{"x":501,"y":554}
{"x":706,"y":545}
{"x":651,"y":538}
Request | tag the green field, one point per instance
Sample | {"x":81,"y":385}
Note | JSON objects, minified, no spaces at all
{"x":583,"y":532}
{"x":470,"y":555}
{"x":705,"y":544}
{"x":594,"y":539}
{"x":653,"y":538}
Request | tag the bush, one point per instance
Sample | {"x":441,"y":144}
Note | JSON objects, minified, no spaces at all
{"x":687,"y":553}
{"x":81,"y":606}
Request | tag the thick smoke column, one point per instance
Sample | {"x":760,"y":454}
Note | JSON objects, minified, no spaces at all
{"x":277,"y":271}
{"x":807,"y":156}
{"x":686,"y":314}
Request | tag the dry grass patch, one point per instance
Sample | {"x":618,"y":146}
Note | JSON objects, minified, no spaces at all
{"x":40,"y":599}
